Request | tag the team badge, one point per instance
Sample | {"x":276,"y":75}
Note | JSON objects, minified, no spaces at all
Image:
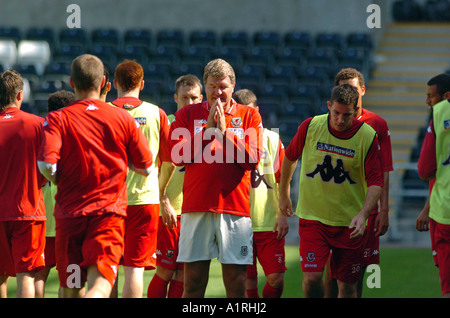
{"x":169,"y":253}
{"x":244,"y":250}
{"x":311,"y":257}
{"x":236,"y":122}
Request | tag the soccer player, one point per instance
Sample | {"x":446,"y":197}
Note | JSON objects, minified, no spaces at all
{"x":141,"y":224}
{"x":438,"y":89}
{"x":87,"y":149}
{"x":55,"y":101}
{"x":218,"y":143}
{"x":169,"y":273}
{"x":269,"y":225}
{"x":378,"y":221}
{"x":22,"y":212}
{"x":434,"y":164}
{"x":340,"y":183}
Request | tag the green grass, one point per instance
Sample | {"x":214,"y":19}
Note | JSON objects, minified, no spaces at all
{"x":405,"y":273}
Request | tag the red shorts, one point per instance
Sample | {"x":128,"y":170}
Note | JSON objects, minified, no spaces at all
{"x":141,"y":227}
{"x":372,"y":243}
{"x":440,"y":244}
{"x":167,"y":252}
{"x":22,"y":246}
{"x":86,"y":241}
{"x":316,"y":241}
{"x":270,"y":253}
{"x":49,"y":252}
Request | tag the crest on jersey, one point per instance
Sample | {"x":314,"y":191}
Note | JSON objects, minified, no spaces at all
{"x":236,"y":122}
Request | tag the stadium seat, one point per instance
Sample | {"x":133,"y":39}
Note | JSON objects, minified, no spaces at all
{"x":189,"y":67}
{"x":329,"y":41}
{"x":281,"y":74}
{"x":138,"y":37}
{"x":298,"y":110}
{"x":359,"y":40}
{"x":34,"y":52}
{"x":157,"y":71}
{"x":298,"y":40}
{"x":66,"y":52}
{"x":204,"y":38}
{"x":106,"y":52}
{"x":231,"y":54}
{"x":165,"y":54}
{"x":57,"y":71}
{"x":288,"y":128}
{"x":235,"y":38}
{"x":8,"y":53}
{"x":42,"y":34}
{"x":259,"y":55}
{"x":196,"y":54}
{"x":320,"y":57}
{"x":134,"y":52}
{"x":313,"y":75}
{"x":266,"y":39}
{"x":290,"y":56}
{"x":10,"y":33}
{"x":170,"y":38}
{"x":74,"y":35}
{"x":105,"y":36}
{"x":28,"y":71}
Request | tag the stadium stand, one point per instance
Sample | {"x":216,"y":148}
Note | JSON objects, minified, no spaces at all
{"x":291,"y":72}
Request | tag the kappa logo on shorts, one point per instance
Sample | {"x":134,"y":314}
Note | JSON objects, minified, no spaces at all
{"x":244,"y":250}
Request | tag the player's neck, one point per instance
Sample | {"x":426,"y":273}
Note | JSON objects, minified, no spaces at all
{"x":87,"y":94}
{"x":132,"y":93}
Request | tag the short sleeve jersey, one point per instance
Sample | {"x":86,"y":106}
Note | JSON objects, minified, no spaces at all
{"x":92,"y":142}
{"x":154,"y":124}
{"x":217,"y":172}
{"x":20,"y":183}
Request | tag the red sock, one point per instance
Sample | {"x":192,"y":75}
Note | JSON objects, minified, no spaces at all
{"x":252,"y":293}
{"x":157,"y":288}
{"x":270,"y":292}
{"x":176,"y":289}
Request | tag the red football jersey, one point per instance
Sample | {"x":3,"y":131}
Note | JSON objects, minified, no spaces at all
{"x":384,"y":137}
{"x":92,"y":142}
{"x":372,"y":165}
{"x":20,"y":182}
{"x":217,"y":172}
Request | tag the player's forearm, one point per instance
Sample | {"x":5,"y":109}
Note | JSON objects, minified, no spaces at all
{"x":287,"y":170}
{"x":372,"y":197}
{"x":384,"y":197}
{"x":166,"y":172}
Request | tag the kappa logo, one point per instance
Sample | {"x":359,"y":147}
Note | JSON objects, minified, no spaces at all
{"x":328,"y":172}
{"x":7,"y":116}
{"x":91,"y":107}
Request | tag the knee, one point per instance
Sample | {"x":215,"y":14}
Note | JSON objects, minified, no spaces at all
{"x":275,"y":280}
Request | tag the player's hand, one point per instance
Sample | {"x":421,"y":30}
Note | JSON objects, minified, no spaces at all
{"x":282,"y":226}
{"x":168,"y":214}
{"x":423,"y":221}
{"x":359,"y":225}
{"x":381,"y":223}
{"x":285,"y":205}
{"x":220,"y":116}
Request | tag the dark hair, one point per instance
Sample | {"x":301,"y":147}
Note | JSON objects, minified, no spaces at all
{"x":345,"y":94}
{"x":245,"y":97}
{"x":347,"y":74}
{"x":11,"y":84}
{"x":106,"y":73}
{"x":442,"y":82}
{"x":188,"y":80}
{"x":59,"y":100}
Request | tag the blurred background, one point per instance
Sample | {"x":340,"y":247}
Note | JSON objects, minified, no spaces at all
{"x":286,"y":51}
